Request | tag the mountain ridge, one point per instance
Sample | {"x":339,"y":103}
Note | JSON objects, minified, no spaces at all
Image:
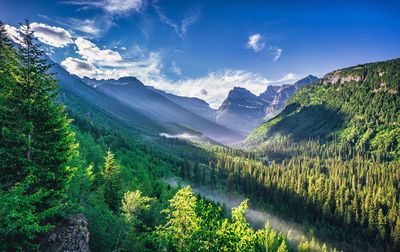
{"x":357,"y":105}
{"x":134,"y":94}
{"x":243,"y":110}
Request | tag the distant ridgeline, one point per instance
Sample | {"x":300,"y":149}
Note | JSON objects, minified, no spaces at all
{"x":358,"y":105}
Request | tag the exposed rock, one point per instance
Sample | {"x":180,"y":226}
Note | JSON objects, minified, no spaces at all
{"x":243,"y":111}
{"x":338,"y":77}
{"x":72,"y":235}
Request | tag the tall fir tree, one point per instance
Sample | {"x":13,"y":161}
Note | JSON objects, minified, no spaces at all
{"x":112,"y":182}
{"x":49,"y":142}
{"x":11,"y":139}
{"x":36,"y":143}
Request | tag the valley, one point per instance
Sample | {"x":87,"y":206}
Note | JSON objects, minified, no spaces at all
{"x":97,"y":155}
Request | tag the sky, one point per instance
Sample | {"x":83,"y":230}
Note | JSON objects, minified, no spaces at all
{"x":205,"y":48}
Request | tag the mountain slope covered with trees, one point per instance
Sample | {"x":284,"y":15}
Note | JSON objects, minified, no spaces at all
{"x":357,"y":105}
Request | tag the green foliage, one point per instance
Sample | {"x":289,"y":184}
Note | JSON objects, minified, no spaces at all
{"x":358,"y":105}
{"x":182,"y":221}
{"x":133,"y":204}
{"x":199,"y":226}
{"x":112,"y":182}
{"x":19,"y":220}
{"x":36,"y":143}
{"x":329,"y":187}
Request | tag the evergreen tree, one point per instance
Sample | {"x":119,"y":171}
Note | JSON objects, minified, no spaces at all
{"x":36,"y":141}
{"x":112,"y":182}
{"x":133,"y":204}
{"x":282,"y":247}
{"x":182,"y":221}
{"x":11,"y":137}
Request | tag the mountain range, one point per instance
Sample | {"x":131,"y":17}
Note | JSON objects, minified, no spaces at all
{"x":151,"y":111}
{"x":243,"y":110}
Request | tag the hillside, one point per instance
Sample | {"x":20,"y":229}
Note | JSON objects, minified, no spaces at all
{"x":357,"y":105}
{"x":195,"y":105}
{"x":134,"y":95}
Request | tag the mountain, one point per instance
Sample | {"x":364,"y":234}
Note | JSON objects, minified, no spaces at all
{"x":243,"y":111}
{"x":195,"y":105}
{"x":134,"y":95}
{"x":359,"y":105}
{"x":87,"y":102}
{"x":283,"y":93}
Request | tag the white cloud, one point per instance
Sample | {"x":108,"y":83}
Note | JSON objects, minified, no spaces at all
{"x":181,"y":29}
{"x":215,"y":86}
{"x":94,"y":27}
{"x":148,"y":68}
{"x":289,"y":77}
{"x":122,"y":6}
{"x":93,"y":54}
{"x":109,"y":64}
{"x":79,"y":67}
{"x":89,"y":26}
{"x":278,"y":53}
{"x":175,"y":69}
{"x":255,"y":42}
{"x":190,"y":18}
{"x":114,"y":7}
{"x":51,"y":35}
{"x":12,"y":33}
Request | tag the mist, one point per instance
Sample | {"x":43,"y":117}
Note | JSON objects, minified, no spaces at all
{"x":256,"y":217}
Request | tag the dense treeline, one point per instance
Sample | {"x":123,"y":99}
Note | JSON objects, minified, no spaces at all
{"x":346,"y":196}
{"x":50,"y":169}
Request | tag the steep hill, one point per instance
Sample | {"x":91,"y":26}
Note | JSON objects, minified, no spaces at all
{"x":359,"y":105}
{"x":88,"y":102}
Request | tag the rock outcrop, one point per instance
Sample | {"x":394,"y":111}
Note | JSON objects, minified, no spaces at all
{"x":72,"y":235}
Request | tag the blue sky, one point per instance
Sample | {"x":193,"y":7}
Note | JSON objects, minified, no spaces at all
{"x":205,"y":48}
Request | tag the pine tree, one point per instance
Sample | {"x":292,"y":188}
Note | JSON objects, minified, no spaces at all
{"x":112,"y":182}
{"x":196,"y":173}
{"x":11,"y":137}
{"x":182,"y":221}
{"x":49,"y":142}
{"x":381,"y":225}
{"x":133,"y":204}
{"x":282,"y":247}
{"x":396,"y":234}
{"x":36,"y":142}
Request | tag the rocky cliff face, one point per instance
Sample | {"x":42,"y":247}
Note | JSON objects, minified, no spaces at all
{"x":71,"y":235}
{"x":243,"y":111}
{"x":338,"y":77}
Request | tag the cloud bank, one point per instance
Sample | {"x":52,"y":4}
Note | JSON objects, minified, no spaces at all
{"x":213,"y":87}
